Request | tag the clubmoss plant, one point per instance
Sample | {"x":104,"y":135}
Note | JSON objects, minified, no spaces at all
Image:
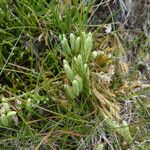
{"x":77,"y":45}
{"x":78,"y":71}
{"x":122,"y":130}
{"x":35,"y":99}
{"x":78,"y":75}
{"x":6,"y":114}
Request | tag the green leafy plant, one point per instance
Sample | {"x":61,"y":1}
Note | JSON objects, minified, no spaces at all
{"x":35,"y":99}
{"x":78,"y":71}
{"x":122,"y":130}
{"x":7,"y":114}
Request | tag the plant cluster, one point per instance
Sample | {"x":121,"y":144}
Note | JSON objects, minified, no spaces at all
{"x":78,"y":69}
{"x":73,"y":91}
{"x":6,"y":114}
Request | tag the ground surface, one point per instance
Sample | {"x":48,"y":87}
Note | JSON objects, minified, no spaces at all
{"x":102,"y":103}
